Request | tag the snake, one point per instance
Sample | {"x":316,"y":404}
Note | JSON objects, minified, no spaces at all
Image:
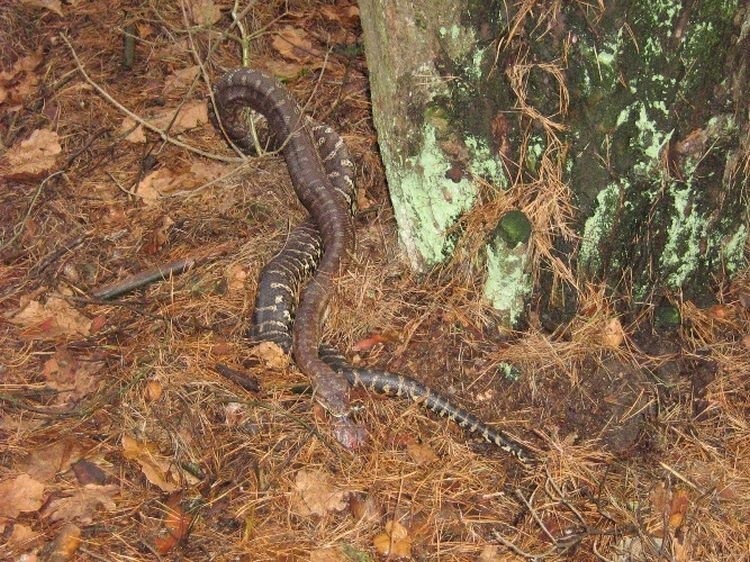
{"x":246,"y":88}
{"x":322,"y":174}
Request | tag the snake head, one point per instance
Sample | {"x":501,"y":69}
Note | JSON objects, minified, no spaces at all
{"x":351,"y":435}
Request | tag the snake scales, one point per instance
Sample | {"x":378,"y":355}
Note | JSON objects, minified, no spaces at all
{"x":321,"y":172}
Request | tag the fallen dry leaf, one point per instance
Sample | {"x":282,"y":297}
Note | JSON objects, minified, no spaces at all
{"x":328,"y":555}
{"x":51,"y":5}
{"x":346,"y":16}
{"x":193,"y":114}
{"x":42,"y":464}
{"x":293,"y":43}
{"x":88,"y":472}
{"x":284,"y":70}
{"x":66,"y":544}
{"x":156,"y":183}
{"x":394,"y":541}
{"x":236,"y":275}
{"x":23,"y":537}
{"x":721,"y":312}
{"x":17,"y":83}
{"x":660,"y":498}
{"x":158,"y":469}
{"x":82,"y":504}
{"x":145,"y":29}
{"x":24,"y":64}
{"x":613,"y":335}
{"x":180,"y":79}
{"x":176,"y":525}
{"x":97,"y":323}
{"x":134,"y":132}
{"x":489,"y":554}
{"x":153,"y":390}
{"x":21,"y":494}
{"x":53,"y":318}
{"x":363,"y":202}
{"x":315,"y":494}
{"x":678,"y":509}
{"x":159,"y":183}
{"x":421,"y":454}
{"x":204,"y":172}
{"x":680,"y":550}
{"x":159,"y":235}
{"x":365,"y":510}
{"x":222,"y":348}
{"x":369,"y":342}
{"x":271,"y":354}
{"x":32,"y":158}
{"x":204,"y":12}
{"x":74,"y":378}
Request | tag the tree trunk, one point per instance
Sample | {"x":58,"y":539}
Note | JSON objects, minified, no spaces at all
{"x":618,"y":134}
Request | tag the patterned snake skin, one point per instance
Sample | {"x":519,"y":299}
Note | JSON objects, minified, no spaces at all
{"x":304,"y":249}
{"x":246,"y":88}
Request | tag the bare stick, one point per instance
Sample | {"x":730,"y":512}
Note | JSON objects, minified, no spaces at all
{"x":143,"y":278}
{"x":20,"y":226}
{"x":561,"y":498}
{"x":534,"y":514}
{"x":518,"y":550}
{"x":244,"y":39}
{"x":238,"y":377}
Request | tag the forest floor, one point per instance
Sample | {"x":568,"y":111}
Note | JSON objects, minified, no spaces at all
{"x":121,"y":437}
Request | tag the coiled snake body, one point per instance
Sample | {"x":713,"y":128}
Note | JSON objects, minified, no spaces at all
{"x":321,"y":172}
{"x":246,"y":88}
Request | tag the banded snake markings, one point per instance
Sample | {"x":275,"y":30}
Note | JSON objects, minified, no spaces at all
{"x":322,"y":174}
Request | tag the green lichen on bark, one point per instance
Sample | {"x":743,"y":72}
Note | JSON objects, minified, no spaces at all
{"x":475,"y":99}
{"x":649,"y":203}
{"x":508,"y":282}
{"x":437,"y":139}
{"x":712,"y":24}
{"x":653,"y":139}
{"x":484,"y":163}
{"x":430,"y":203}
{"x":599,"y":225}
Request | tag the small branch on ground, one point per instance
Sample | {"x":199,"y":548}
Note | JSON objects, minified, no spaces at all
{"x":238,"y":377}
{"x":146,"y":277}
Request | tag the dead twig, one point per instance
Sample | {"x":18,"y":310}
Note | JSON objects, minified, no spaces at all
{"x":63,"y":249}
{"x":20,"y":226}
{"x":146,"y":277}
{"x":238,"y":377}
{"x":528,"y":503}
{"x":518,"y":550}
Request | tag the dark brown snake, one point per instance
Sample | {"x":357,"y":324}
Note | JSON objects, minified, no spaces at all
{"x":321,"y":172}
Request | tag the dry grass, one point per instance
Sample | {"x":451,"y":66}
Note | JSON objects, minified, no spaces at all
{"x":643,"y":438}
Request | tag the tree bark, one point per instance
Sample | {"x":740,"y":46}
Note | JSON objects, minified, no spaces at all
{"x":626,"y":123}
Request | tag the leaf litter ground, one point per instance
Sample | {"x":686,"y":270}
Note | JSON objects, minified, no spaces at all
{"x":122,"y":437}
